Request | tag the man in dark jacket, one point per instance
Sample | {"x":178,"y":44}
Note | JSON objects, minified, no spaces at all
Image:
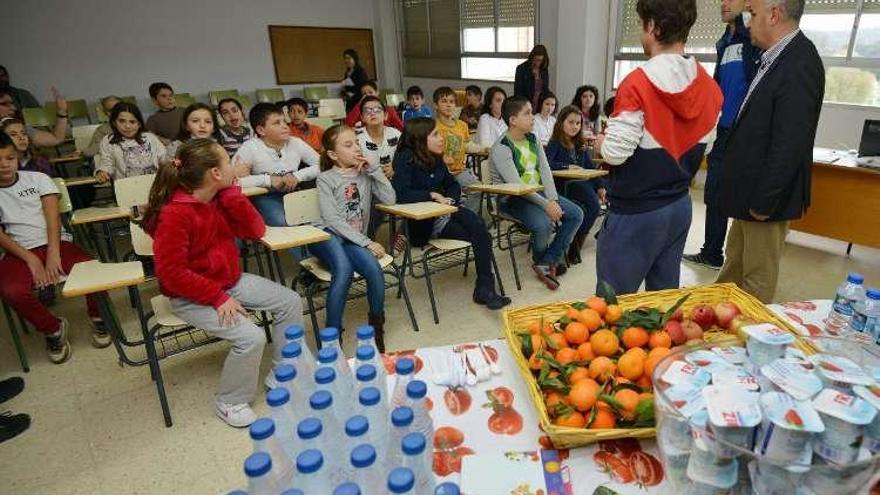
{"x":736,"y":67}
{"x":765,"y":175}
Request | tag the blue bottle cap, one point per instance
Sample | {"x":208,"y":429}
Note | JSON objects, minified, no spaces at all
{"x":405,"y":366}
{"x":413,"y":443}
{"x":325,"y":375}
{"x":285,"y":373}
{"x":448,"y":488}
{"x":257,"y":464}
{"x":365,"y":332}
{"x":291,"y":350}
{"x":262,"y":429}
{"x":873,"y":293}
{"x":327,"y":355}
{"x":402,"y":416}
{"x":294,"y":491}
{"x":277,"y":397}
{"x":294,"y":332}
{"x":363,"y":455}
{"x":347,"y":489}
{"x":309,"y":461}
{"x":401,"y":480}
{"x":237,"y":492}
{"x":329,"y":334}
{"x":369,"y":396}
{"x":416,"y":389}
{"x":356,"y":426}
{"x":365,"y":353}
{"x":366,"y":373}
{"x":309,"y":428}
{"x":321,"y":400}
{"x":855,"y":278}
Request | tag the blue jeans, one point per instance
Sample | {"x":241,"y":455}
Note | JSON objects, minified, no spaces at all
{"x":583,"y":193}
{"x":539,"y":225}
{"x":342,"y":258}
{"x":716,"y":222}
{"x":643,"y":246}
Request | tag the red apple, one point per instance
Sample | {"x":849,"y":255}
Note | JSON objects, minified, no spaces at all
{"x":691,"y":330}
{"x":726,"y":312}
{"x":677,"y":315}
{"x":673,"y":328}
{"x":703,"y":315}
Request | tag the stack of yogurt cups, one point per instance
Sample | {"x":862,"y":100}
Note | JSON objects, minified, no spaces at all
{"x":768,"y":419}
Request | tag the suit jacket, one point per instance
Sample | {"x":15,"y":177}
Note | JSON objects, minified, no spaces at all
{"x":769,"y":156}
{"x":524,"y":83}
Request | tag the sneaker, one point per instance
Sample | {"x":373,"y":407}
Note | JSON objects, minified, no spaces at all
{"x":10,"y":387}
{"x":270,"y":382}
{"x":558,"y":269}
{"x":12,"y":425}
{"x":545,"y":274}
{"x":100,"y":336}
{"x":238,"y":415}
{"x":492,"y":300}
{"x":699,"y":259}
{"x":58,"y":345}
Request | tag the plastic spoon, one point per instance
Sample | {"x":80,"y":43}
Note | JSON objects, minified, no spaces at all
{"x":496,"y":370}
{"x":470,"y":377}
{"x":479,"y":365}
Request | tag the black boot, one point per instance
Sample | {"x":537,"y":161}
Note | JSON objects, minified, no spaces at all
{"x":484,"y":293}
{"x":574,"y":249}
{"x":377,"y":321}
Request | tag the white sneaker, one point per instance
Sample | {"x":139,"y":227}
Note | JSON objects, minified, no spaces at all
{"x":270,"y":382}
{"x":237,"y":415}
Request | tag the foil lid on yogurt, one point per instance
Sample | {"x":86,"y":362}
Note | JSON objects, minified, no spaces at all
{"x":785,"y":412}
{"x":844,"y":407}
{"x":767,"y":333}
{"x":732,"y":407}
{"x":870,"y":394}
{"x":687,"y":398}
{"x":840,"y":369}
{"x":707,"y":360}
{"x":792,"y":378}
{"x":732,"y":354}
{"x":681,"y":371}
{"x":735,"y":376}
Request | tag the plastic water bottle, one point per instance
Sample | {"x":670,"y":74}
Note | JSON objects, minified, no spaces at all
{"x":292,"y":353}
{"x":347,"y":489}
{"x":366,"y":335}
{"x":331,"y":357}
{"x":404,"y":369}
{"x":326,"y":379}
{"x":415,"y":457}
{"x":286,"y":376}
{"x":237,"y":492}
{"x":866,"y":315}
{"x":330,"y":338}
{"x":322,"y":408}
{"x":376,"y":412}
{"x":309,"y":433}
{"x":365,"y":470}
{"x":365,"y":376}
{"x":367,"y":354}
{"x":848,"y":294}
{"x":356,"y":428}
{"x":312,"y":478}
{"x":263,"y":435}
{"x":447,"y":488}
{"x":401,"y":481}
{"x":401,"y":425}
{"x":422,"y":422}
{"x":258,"y":469}
{"x":294,"y":491}
{"x":296,"y":334}
{"x":284,"y":417}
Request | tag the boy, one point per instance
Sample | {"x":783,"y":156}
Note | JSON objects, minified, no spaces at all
{"x":370,"y":88}
{"x":38,"y":252}
{"x":236,"y":131}
{"x":104,"y":129}
{"x":473,"y":107}
{"x":663,"y":123}
{"x":518,"y":157}
{"x":415,"y":106}
{"x":298,"y":110}
{"x":165,"y":123}
{"x":275,"y":160}
{"x":456,"y":138}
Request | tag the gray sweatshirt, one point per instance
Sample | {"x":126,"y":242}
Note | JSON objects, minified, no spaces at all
{"x":502,"y":169}
{"x":345,"y":201}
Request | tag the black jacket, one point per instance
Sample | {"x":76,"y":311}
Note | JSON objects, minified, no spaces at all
{"x":353,"y":93}
{"x":524,"y":84}
{"x":769,"y":155}
{"x":413,"y":184}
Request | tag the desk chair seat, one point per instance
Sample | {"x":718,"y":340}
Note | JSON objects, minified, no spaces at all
{"x":314,"y":266}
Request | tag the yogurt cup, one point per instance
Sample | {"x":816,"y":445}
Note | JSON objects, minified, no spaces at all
{"x":708,"y":469}
{"x":840,"y":373}
{"x":766,"y":342}
{"x":687,"y":399}
{"x":843,"y":480}
{"x":770,"y":479}
{"x":732,"y":354}
{"x":787,"y":428}
{"x":871,"y":395}
{"x":845,"y":417}
{"x":733,"y":415}
{"x":682,"y":371}
{"x":676,"y":466}
{"x":735,"y":376}
{"x":792,"y":379}
{"x":708,"y":360}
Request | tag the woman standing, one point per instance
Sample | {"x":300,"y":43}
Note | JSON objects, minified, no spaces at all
{"x":355,"y":76}
{"x":532,"y":76}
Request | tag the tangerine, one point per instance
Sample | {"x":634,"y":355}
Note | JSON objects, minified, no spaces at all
{"x":534,"y":327}
{"x":660,"y":339}
{"x":535,"y":362}
{"x":576,"y":333}
{"x":591,"y":319}
{"x":558,"y":340}
{"x":583,"y":394}
{"x":650,"y":363}
{"x":572,"y":313}
{"x":601,"y":368}
{"x":631,"y":366}
{"x":585,"y":352}
{"x":604,"y":418}
{"x":579,"y":373}
{"x":638,"y":350}
{"x":552,"y":399}
{"x":604,"y":343}
{"x":645,"y":396}
{"x":628,"y":400}
{"x":573,"y":419}
{"x":598,"y":305}
{"x":566,"y":355}
{"x":659,"y":352}
{"x":635,"y":337}
{"x":645,"y":382}
{"x":613,"y":313}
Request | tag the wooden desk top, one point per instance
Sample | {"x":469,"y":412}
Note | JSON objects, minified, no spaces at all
{"x":510,"y":189}
{"x":72,"y":157}
{"x":840,"y":159}
{"x":579,"y":173}
{"x":90,"y":277}
{"x":254,"y":191}
{"x":95,"y":214}
{"x":277,"y":238}
{"x":80,"y":181}
{"x":418,"y":211}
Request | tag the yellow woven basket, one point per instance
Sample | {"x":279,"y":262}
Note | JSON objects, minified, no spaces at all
{"x":516,"y":320}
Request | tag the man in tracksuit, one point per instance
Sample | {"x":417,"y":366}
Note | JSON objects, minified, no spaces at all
{"x":736,"y":67}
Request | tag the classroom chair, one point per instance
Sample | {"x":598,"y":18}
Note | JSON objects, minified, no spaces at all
{"x":38,"y":117}
{"x":270,"y":95}
{"x":76,"y":109}
{"x":315,"y":93}
{"x":217,"y":95}
{"x":394,"y":99}
{"x":332,"y":108}
{"x":183,"y":100}
{"x":82,"y":135}
{"x":245,"y":102}
{"x":322,"y":122}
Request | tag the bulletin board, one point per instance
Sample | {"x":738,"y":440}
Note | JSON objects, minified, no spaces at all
{"x":314,"y":54}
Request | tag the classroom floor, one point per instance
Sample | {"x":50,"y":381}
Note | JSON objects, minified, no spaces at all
{"x":97,"y":427}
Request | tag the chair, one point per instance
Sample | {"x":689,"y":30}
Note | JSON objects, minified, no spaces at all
{"x":498,"y":217}
{"x":76,"y":109}
{"x":217,"y":95}
{"x":394,"y":99}
{"x":315,"y":93}
{"x":271,"y":95}
{"x":245,"y":102}
{"x":322,"y":122}
{"x":183,"y":100}
{"x":332,"y":108}
{"x":38,"y":117}
{"x":133,"y":191}
{"x":82,"y":135}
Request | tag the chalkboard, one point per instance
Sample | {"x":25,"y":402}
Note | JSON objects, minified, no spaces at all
{"x":314,"y":54}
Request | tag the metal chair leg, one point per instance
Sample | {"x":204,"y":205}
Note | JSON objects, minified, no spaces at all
{"x":849,"y":249}
{"x":513,"y":259}
{"x":497,"y":273}
{"x":24,"y":326}
{"x":467,"y":260}
{"x":430,"y":289}
{"x":409,"y":308}
{"x":160,"y":384}
{"x":16,"y":340}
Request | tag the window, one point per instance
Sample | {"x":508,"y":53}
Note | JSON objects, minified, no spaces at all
{"x":471,"y":39}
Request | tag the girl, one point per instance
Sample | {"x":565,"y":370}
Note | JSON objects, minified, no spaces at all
{"x":129,"y":150}
{"x":345,"y":189}
{"x":377,"y":141}
{"x":420,"y":174}
{"x":586,"y":98}
{"x":569,"y":147}
{"x":236,"y":131}
{"x":40,"y":138}
{"x":195,"y":213}
{"x":354,"y":77}
{"x":28,"y":157}
{"x":198,"y":121}
{"x":545,"y":119}
{"x":491,"y":126}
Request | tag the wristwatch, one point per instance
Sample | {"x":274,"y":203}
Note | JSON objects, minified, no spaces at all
{"x":60,"y":116}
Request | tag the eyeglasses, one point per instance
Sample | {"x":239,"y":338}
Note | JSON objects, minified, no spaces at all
{"x":373,"y":110}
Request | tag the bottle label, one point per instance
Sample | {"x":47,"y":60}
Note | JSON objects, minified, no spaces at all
{"x":842,"y":305}
{"x":869,"y":325}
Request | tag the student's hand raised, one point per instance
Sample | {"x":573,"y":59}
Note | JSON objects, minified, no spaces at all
{"x":553,"y":210}
{"x":102,"y":177}
{"x":377,"y":249}
{"x":228,"y":312}
{"x":60,"y":101}
{"x":38,"y":271}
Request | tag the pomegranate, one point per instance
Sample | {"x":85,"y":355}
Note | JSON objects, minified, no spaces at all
{"x":691,"y":330}
{"x":725,"y":313}
{"x":675,"y":331}
{"x":703,"y":315}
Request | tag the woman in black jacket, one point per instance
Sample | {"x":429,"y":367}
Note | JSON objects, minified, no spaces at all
{"x":421,"y":175}
{"x":532,"y":76}
{"x":355,"y":76}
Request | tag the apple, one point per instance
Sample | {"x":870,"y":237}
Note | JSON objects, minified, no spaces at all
{"x":691,"y":329}
{"x":677,"y":315}
{"x":725,"y":313}
{"x":703,"y":315}
{"x":673,"y":328}
{"x":738,"y":323}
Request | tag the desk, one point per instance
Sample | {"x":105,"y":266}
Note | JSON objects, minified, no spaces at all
{"x":254,"y":191}
{"x":69,"y":158}
{"x":278,"y":238}
{"x":578,"y":173}
{"x":80,"y":181}
{"x":508,"y":189}
{"x":87,"y":216}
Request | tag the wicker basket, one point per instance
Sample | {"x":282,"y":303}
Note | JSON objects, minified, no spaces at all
{"x":565,"y":437}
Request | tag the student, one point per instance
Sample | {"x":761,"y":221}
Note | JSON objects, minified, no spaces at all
{"x":473,"y":107}
{"x":422,"y":175}
{"x":197,"y":122}
{"x":545,"y":118}
{"x":107,"y":104}
{"x":196,"y":212}
{"x":415,"y":104}
{"x":491,"y":126}
{"x":236,"y":130}
{"x":165,"y":123}
{"x":29,"y":159}
{"x":129,"y":150}
{"x":345,"y":189}
{"x":586,"y":98}
{"x":298,"y":110}
{"x":568,"y":147}
{"x":355,"y":76}
{"x":370,"y":88}
{"x":39,"y":252}
{"x":377,"y":140}
{"x":23,"y":98}
{"x":276,"y":161}
{"x":40,"y":138}
{"x":518,"y":157}
{"x":456,"y":138}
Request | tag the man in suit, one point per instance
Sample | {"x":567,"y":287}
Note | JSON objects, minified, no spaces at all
{"x":765,"y":175}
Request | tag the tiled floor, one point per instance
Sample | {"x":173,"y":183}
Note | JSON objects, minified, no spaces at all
{"x":97,"y":427}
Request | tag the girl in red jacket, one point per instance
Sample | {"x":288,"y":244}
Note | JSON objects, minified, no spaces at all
{"x":196,"y":211}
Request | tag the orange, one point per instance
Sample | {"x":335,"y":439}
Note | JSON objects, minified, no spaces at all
{"x":585,"y":351}
{"x":645,"y":382}
{"x":576,"y":333}
{"x":635,"y":337}
{"x":572,"y":313}
{"x":631,"y":366}
{"x":535,"y":362}
{"x":638,"y":350}
{"x":601,"y":368}
{"x":613,"y":313}
{"x":651,"y":362}
{"x":558,"y":340}
{"x":534,"y":327}
{"x":659,"y":352}
{"x":628,"y":400}
{"x":579,"y":373}
{"x":573,"y":420}
{"x":604,"y":343}
{"x":604,"y":418}
{"x":660,"y":339}
{"x":566,"y":355}
{"x":645,"y":396}
{"x":591,"y":319}
{"x":552,"y":399}
{"x":598,"y":305}
{"x":583,"y":394}
{"x":537,"y":342}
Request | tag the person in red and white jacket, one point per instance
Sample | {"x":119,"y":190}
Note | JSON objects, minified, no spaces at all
{"x":195,"y":213}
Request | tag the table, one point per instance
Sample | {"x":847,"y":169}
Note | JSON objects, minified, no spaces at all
{"x":102,"y":215}
{"x":62,"y":160}
{"x":578,"y":173}
{"x":507,"y":189}
{"x":278,"y":238}
{"x":80,"y":181}
{"x":254,"y":191}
